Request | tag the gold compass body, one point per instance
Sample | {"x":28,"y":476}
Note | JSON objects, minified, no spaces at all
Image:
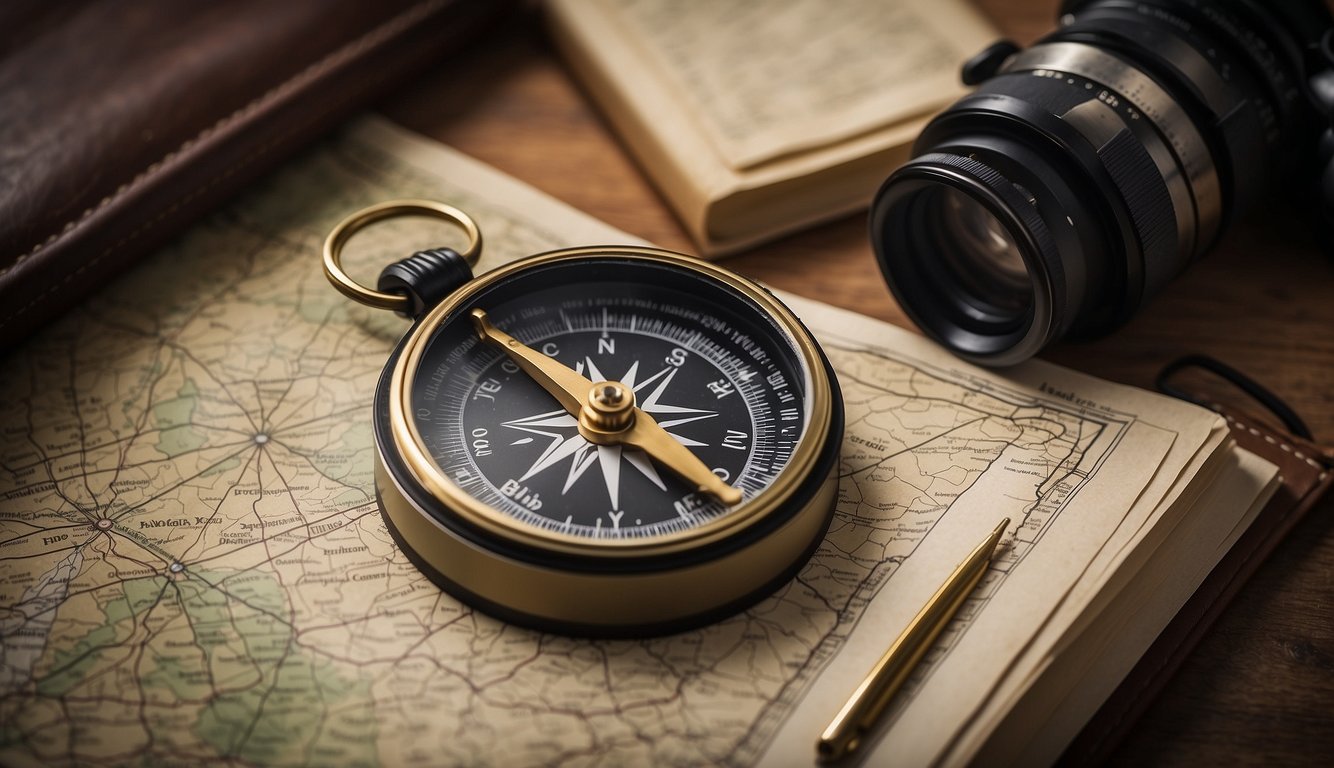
{"x":609,"y":440}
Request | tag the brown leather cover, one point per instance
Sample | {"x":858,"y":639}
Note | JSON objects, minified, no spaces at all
{"x":1305,"y":469}
{"x":123,"y":120}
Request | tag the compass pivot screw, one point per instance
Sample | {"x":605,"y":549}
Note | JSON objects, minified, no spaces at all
{"x":610,"y":409}
{"x":609,"y":395}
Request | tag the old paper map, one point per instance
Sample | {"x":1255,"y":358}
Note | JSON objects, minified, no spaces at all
{"x":193,"y":570}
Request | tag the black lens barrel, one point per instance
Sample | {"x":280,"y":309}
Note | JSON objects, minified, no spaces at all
{"x":1083,"y":175}
{"x":1113,"y":152}
{"x":932,"y":299}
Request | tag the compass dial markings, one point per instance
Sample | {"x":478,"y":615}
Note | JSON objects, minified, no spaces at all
{"x":627,"y":334}
{"x":639,"y":460}
{"x":609,"y":458}
{"x":686,"y":419}
{"x":577,"y":468}
{"x":589,"y":368}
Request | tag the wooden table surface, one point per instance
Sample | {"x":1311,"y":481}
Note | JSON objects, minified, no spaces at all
{"x":1260,"y":687}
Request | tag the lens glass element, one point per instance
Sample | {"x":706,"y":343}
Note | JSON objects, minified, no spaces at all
{"x":981,"y":255}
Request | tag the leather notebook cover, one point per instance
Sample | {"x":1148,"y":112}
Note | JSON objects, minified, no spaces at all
{"x":1307,"y":472}
{"x":123,"y":120}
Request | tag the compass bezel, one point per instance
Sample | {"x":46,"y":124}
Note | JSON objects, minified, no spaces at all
{"x":423,"y":470}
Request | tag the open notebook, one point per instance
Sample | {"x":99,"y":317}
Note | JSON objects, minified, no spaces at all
{"x":757,"y":119}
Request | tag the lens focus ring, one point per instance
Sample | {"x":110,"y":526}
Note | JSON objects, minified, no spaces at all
{"x":911,"y":259}
{"x":1145,"y":195}
{"x":1190,"y":154}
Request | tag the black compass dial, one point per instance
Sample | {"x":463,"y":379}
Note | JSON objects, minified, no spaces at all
{"x":703,"y":360}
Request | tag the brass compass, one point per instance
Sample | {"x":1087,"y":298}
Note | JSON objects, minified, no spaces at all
{"x":610,"y":440}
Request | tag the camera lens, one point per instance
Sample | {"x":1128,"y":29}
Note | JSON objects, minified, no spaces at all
{"x":981,"y":255}
{"x":973,"y":260}
{"x":1092,"y":168}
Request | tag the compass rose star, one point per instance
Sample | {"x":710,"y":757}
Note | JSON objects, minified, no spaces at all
{"x":565,"y":442}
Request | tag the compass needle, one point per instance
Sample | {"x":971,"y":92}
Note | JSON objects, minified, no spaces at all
{"x":715,"y":450}
{"x":646,"y":435}
{"x":597,"y":416}
{"x":564,"y":384}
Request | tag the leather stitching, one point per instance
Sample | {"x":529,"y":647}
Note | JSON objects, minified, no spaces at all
{"x":1317,"y":466}
{"x":351,"y":50}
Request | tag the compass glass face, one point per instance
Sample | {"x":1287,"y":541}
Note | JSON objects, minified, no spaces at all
{"x":708,"y":364}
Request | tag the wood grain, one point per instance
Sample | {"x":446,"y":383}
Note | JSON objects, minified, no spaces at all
{"x":1260,"y":688}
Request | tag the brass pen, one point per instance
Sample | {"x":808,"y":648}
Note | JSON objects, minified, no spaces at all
{"x":845,"y":734}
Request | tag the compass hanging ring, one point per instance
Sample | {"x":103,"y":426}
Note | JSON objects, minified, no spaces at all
{"x":386,"y":298}
{"x":608,"y":440}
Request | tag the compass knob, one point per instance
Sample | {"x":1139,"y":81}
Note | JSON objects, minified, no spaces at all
{"x":610,"y":410}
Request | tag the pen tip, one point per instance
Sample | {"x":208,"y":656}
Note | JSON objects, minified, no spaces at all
{"x":993,"y":540}
{"x":831,"y":751}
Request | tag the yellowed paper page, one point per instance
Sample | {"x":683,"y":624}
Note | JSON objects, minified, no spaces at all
{"x":1076,"y":680}
{"x":1125,"y":439}
{"x":764,"y":80}
{"x":723,"y":206}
